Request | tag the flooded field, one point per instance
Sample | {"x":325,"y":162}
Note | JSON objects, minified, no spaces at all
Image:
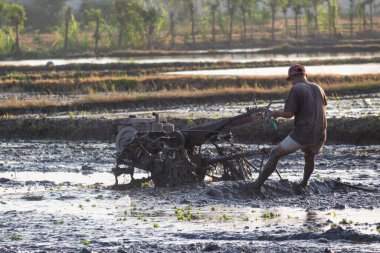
{"x":235,"y":56}
{"x":341,"y":69}
{"x":357,"y":106}
{"x":55,"y":196}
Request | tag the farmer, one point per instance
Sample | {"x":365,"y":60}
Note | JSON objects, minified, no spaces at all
{"x":306,"y":102}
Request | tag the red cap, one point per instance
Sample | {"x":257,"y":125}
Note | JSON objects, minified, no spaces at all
{"x":296,"y":69}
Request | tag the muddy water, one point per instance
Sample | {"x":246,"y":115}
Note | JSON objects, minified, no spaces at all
{"x":236,"y":56}
{"x":54,"y":197}
{"x":341,"y":69}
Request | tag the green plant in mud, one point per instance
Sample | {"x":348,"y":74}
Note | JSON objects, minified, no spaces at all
{"x":378,"y":229}
{"x":224,"y":217}
{"x":85,"y":242}
{"x":99,"y":197}
{"x":155,"y":225}
{"x":16,"y":237}
{"x":184,"y":214}
{"x":144,"y":185}
{"x":270,"y":215}
{"x":345,"y":221}
{"x":71,"y":115}
{"x":58,"y":222}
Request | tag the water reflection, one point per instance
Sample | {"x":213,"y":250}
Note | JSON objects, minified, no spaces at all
{"x":237,"y":56}
{"x":341,"y":69}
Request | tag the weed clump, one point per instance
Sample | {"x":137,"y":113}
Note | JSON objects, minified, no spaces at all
{"x":270,"y":215}
{"x":16,"y":238}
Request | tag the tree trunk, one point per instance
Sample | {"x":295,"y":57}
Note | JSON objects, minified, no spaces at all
{"x":231,"y":28}
{"x":66,"y":35}
{"x":244,"y":26}
{"x":213,"y":25}
{"x":17,"y":38}
{"x":251,"y":28}
{"x":316,"y":27}
{"x":364,"y":17}
{"x":285,"y":12}
{"x":192,"y":12}
{"x":371,"y":16}
{"x":296,"y":23}
{"x":273,"y":21}
{"x":172,"y":29}
{"x":330,"y":18}
{"x":351,"y":18}
{"x":150,"y":38}
{"x":96,"y":35}
{"x":121,"y":34}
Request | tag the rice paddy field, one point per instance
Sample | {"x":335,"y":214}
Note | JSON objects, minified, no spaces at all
{"x":58,"y":126}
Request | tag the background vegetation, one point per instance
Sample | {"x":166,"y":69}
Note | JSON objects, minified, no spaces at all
{"x":65,"y":27}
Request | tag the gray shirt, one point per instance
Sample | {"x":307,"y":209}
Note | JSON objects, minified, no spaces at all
{"x":308,"y":103}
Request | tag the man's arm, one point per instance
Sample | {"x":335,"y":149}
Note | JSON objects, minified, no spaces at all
{"x":282,"y":114}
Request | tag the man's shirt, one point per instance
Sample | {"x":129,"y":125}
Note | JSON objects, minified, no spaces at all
{"x":308,"y":103}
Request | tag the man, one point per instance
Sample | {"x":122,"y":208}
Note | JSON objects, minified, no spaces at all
{"x":307,"y":103}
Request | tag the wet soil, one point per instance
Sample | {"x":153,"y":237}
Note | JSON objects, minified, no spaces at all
{"x":57,"y":196}
{"x":360,"y":131}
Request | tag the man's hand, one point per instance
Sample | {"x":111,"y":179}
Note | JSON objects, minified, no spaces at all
{"x":281,"y":114}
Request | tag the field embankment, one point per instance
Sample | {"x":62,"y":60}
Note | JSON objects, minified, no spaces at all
{"x":163,"y":92}
{"x":344,"y":131}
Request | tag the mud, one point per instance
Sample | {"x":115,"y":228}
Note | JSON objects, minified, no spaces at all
{"x":57,"y":196}
{"x":360,"y":131}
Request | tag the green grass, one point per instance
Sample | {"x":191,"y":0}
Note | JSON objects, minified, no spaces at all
{"x":16,"y":237}
{"x":270,"y":215}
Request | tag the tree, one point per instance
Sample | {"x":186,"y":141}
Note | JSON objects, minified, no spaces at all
{"x":273,"y":6}
{"x":361,"y":13}
{"x":94,"y":15}
{"x":16,"y":16}
{"x":332,"y":6}
{"x":150,"y":17}
{"x":3,"y":4}
{"x":231,"y":8}
{"x":121,"y":9}
{"x":352,"y":17}
{"x":334,"y":17}
{"x":285,"y":6}
{"x":68,"y":17}
{"x":297,"y":9}
{"x":42,"y":14}
{"x":174,"y":8}
{"x":213,"y":6}
{"x":192,"y":9}
{"x":370,"y":3}
{"x":316,"y":4}
{"x":245,"y":8}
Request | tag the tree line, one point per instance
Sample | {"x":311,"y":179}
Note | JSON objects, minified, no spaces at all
{"x":156,"y":24}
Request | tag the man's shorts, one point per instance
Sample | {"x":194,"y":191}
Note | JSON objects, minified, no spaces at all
{"x":290,"y":146}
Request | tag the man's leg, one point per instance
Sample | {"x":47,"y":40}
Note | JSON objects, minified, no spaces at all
{"x":308,"y":169}
{"x":310,"y":152}
{"x":270,"y":165}
{"x":287,"y":146}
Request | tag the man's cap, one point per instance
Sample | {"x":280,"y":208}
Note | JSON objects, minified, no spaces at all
{"x":296,"y":69}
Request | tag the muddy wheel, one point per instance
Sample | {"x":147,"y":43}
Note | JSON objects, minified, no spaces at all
{"x":175,"y":173}
{"x":236,"y":169}
{"x":124,"y":136}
